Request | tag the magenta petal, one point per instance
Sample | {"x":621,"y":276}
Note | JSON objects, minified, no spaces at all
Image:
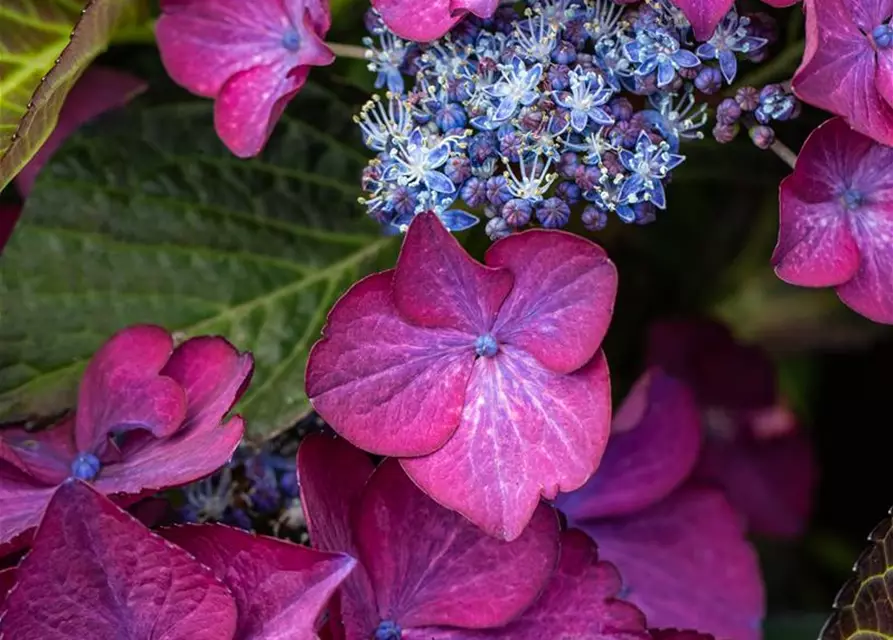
{"x":770,"y":482}
{"x":22,"y":501}
{"x":9,"y":216}
{"x":332,"y":475}
{"x":704,"y":15}
{"x":280,"y":588}
{"x":563,"y":298}
{"x":213,"y":374}
{"x":45,"y":455}
{"x":97,"y":91}
{"x":430,"y":566}
{"x":388,"y":386}
{"x":644,"y":465}
{"x":525,"y":432}
{"x":870,"y":292}
{"x":437,"y":284}
{"x":428,"y":21}
{"x":123,"y":390}
{"x":686,"y":564}
{"x":884,"y":75}
{"x":150,"y":463}
{"x":95,"y":572}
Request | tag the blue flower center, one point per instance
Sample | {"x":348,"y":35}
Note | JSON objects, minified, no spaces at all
{"x":85,"y":467}
{"x":852,"y":199}
{"x":883,"y":36}
{"x":291,"y":40}
{"x":388,"y":630}
{"x":486,"y":346}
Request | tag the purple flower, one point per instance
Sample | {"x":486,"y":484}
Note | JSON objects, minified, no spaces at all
{"x":680,"y":548}
{"x":426,"y":572}
{"x":837,"y":220}
{"x":95,"y":572}
{"x":846,"y":68}
{"x":428,"y":21}
{"x":753,"y":447}
{"x":251,"y":58}
{"x":148,"y":418}
{"x":486,"y":381}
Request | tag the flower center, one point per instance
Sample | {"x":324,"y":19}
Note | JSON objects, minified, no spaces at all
{"x":388,"y":630}
{"x":852,"y":199}
{"x":291,"y":40}
{"x":486,"y":346}
{"x":883,"y":36}
{"x":85,"y":467}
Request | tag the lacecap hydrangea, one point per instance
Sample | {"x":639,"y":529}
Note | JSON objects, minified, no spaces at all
{"x":548,"y":107}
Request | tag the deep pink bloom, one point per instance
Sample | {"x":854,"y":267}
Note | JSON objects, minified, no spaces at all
{"x":705,"y":15}
{"x":680,"y":548}
{"x":95,"y":572}
{"x":100,"y":89}
{"x":486,"y":381}
{"x":280,"y":588}
{"x":148,"y":417}
{"x":428,"y":573}
{"x":754,"y":449}
{"x":426,"y":21}
{"x":251,"y":57}
{"x":837,"y":220}
{"x":846,"y":69}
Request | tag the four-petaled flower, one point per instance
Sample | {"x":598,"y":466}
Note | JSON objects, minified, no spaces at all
{"x":426,"y":572}
{"x":847,"y":68}
{"x":487,"y":382}
{"x":95,"y":572}
{"x":148,"y":418}
{"x":679,"y":546}
{"x":426,"y":21}
{"x":836,"y":226}
{"x":252,"y":57}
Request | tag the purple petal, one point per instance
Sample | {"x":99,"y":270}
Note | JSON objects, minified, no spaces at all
{"x":563,"y":298}
{"x":122,"y":389}
{"x":332,"y":475}
{"x":430,"y":566}
{"x":99,"y":90}
{"x":870,"y":292}
{"x":7,"y":582}
{"x":525,"y":432}
{"x":686,"y":564}
{"x":388,"y":386}
{"x":430,"y":20}
{"x":839,"y":68}
{"x":437,"y":284}
{"x":95,"y":572}
{"x":704,"y":15}
{"x":644,"y":465}
{"x":770,"y":482}
{"x":44,"y":455}
{"x":280,"y":588}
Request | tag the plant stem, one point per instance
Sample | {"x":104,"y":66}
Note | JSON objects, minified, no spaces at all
{"x":784,"y":152}
{"x":347,"y":50}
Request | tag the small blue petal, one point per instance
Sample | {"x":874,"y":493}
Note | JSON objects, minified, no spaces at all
{"x":457,"y":220}
{"x":728,"y":64}
{"x":685,"y":58}
{"x":437,"y":181}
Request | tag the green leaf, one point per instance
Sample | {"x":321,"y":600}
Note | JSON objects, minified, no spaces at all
{"x":45,"y":45}
{"x":146,"y":217}
{"x":864,"y":607}
{"x":793,"y":626}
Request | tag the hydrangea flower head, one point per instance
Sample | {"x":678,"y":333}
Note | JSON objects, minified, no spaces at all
{"x":680,"y":547}
{"x":753,"y":449}
{"x":426,"y":572}
{"x":522,"y":117}
{"x":148,"y":418}
{"x":96,"y":572}
{"x":847,"y":67}
{"x":837,"y":220}
{"x":486,"y":381}
{"x":252,"y":58}
{"x":426,"y":21}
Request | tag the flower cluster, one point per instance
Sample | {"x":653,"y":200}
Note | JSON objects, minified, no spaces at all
{"x":525,"y":115}
{"x":756,"y":109}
